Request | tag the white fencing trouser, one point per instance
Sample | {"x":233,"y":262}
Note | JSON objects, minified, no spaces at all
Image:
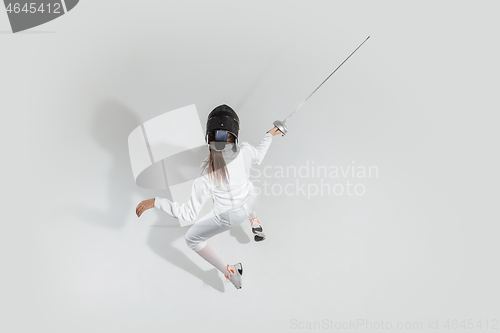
{"x":213,"y":224}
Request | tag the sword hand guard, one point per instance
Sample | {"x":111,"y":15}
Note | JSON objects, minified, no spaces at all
{"x":281,"y":126}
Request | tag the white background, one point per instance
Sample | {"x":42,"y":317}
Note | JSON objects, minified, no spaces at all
{"x":419,"y":100}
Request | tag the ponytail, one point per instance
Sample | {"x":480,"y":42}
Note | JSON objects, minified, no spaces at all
{"x":217,"y":169}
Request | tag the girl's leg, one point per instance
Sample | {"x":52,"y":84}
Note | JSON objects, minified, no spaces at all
{"x":255,"y":224}
{"x":199,"y":233}
{"x":208,"y":253}
{"x":252,"y":216}
{"x":250,"y":207}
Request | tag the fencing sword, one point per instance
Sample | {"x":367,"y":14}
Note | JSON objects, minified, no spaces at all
{"x":281,"y":124}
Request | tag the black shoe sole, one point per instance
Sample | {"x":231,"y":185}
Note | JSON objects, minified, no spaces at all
{"x":259,"y":235}
{"x":259,"y":238}
{"x":257,"y":230}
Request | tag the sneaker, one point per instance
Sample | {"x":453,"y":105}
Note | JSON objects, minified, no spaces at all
{"x":257,"y":230}
{"x":234,"y":274}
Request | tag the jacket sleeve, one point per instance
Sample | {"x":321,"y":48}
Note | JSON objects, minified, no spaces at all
{"x":201,"y":192}
{"x":260,"y":151}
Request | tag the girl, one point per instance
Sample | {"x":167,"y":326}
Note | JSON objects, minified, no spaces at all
{"x":224,"y":177}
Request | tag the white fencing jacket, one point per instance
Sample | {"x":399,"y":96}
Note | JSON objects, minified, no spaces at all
{"x":226,"y":197}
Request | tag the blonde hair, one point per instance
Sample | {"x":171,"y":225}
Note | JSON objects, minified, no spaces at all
{"x":217,"y":169}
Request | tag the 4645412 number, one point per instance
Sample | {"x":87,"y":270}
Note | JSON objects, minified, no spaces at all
{"x":471,"y":324}
{"x":32,"y":8}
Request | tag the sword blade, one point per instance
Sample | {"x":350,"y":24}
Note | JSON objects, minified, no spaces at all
{"x":284,"y":121}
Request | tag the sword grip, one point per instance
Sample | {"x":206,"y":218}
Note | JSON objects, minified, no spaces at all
{"x":281,"y":126}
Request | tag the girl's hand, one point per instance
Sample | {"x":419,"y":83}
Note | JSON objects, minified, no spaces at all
{"x":144,"y":205}
{"x":274,"y":131}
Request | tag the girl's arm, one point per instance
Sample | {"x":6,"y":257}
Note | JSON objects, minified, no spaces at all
{"x":260,"y":151}
{"x":201,"y":192}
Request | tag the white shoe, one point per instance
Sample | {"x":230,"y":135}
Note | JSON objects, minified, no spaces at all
{"x":234,"y":274}
{"x":257,"y":230}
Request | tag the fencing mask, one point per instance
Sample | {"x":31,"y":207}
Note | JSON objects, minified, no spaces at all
{"x":222,"y":120}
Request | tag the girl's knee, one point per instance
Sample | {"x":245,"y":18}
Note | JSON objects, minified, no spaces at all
{"x":194,"y":242}
{"x":190,"y":240}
